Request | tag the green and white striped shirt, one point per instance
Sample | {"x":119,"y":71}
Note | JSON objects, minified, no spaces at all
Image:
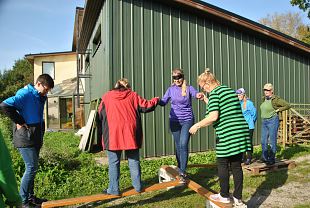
{"x":231,"y":128}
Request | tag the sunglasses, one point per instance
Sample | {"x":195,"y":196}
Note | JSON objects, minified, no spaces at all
{"x":267,"y":90}
{"x":177,"y":77}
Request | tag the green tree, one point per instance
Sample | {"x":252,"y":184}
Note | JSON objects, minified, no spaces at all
{"x":288,"y":23}
{"x":303,"y":5}
{"x":11,"y":80}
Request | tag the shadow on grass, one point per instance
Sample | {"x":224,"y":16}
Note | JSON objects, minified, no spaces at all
{"x":272,"y":181}
{"x":276,"y":179}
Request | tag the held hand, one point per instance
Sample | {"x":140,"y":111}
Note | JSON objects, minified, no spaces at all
{"x":194,"y":129}
{"x":200,"y":95}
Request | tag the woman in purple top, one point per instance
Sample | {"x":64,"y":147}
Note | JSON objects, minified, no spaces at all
{"x":181,"y":116}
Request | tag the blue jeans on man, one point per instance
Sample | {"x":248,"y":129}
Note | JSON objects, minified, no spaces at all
{"x":180,"y":133}
{"x":269,"y":129}
{"x":30,"y":156}
{"x":114,"y":170}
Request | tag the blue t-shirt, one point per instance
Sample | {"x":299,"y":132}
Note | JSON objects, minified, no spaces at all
{"x":181,"y":106}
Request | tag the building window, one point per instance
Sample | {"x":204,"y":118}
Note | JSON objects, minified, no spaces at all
{"x":48,"y":68}
{"x":97,"y":40}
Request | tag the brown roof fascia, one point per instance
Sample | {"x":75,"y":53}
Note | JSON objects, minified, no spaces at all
{"x":79,"y":12}
{"x":32,"y":56}
{"x":243,"y":23}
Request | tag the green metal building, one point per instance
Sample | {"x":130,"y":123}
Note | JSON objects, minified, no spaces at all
{"x":144,"y":40}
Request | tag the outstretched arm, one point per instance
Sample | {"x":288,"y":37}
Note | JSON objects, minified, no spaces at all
{"x":212,"y":117}
{"x":146,"y":106}
{"x":165,"y":99}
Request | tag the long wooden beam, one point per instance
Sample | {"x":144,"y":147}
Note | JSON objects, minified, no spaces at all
{"x":171,"y":171}
{"x":101,"y":197}
{"x":196,"y":187}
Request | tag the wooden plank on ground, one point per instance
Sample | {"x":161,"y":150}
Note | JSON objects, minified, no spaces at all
{"x":101,"y":197}
{"x":196,"y":187}
{"x":88,"y":127}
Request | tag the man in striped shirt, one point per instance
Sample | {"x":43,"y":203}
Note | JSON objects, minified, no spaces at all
{"x":232,"y":131}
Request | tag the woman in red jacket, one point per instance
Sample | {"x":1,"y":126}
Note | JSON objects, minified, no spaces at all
{"x":119,"y":114}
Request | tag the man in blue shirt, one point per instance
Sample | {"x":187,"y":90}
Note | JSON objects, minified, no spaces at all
{"x":25,"y":109}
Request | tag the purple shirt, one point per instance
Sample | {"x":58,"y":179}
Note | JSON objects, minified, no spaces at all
{"x":181,"y":106}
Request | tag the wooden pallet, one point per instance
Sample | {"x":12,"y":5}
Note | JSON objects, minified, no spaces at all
{"x":258,"y":168}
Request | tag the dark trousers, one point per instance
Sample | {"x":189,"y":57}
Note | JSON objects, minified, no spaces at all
{"x":248,"y":154}
{"x":223,"y":164}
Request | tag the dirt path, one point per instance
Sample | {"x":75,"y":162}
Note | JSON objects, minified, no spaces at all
{"x":289,"y":195}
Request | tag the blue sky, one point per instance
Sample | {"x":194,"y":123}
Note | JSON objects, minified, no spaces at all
{"x":35,"y":26}
{"x":41,"y":26}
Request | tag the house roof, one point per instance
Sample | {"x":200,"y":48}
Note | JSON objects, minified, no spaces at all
{"x":66,"y":88}
{"x":245,"y":23}
{"x":93,"y":7}
{"x":30,"y":57}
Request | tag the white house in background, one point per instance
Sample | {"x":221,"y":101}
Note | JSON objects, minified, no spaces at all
{"x":62,"y":110}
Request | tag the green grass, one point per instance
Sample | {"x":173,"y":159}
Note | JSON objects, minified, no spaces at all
{"x":65,"y":172}
{"x":302,"y":206}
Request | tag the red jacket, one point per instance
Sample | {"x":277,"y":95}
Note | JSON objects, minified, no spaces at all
{"x":119,"y":115}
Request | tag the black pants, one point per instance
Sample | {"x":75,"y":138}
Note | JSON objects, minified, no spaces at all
{"x":248,"y":154}
{"x":223,"y":164}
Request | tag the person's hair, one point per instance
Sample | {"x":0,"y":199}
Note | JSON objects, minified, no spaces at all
{"x":207,"y":77}
{"x":184,"y":85}
{"x":268,"y":86}
{"x":122,"y":84}
{"x":46,"y":80}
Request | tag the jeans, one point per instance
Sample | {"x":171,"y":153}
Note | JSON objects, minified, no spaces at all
{"x":30,"y":156}
{"x":114,"y":170}
{"x":180,"y":132}
{"x":223,"y":164}
{"x":269,"y":129}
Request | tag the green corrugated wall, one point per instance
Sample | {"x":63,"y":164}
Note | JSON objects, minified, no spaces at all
{"x":144,"y":40}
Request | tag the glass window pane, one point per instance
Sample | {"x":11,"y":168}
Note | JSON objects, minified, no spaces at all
{"x":66,"y":113}
{"x":53,"y":116}
{"x":49,"y":68}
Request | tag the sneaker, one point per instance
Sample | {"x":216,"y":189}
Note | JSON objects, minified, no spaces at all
{"x":182,"y":179}
{"x":219,"y":198}
{"x":238,"y":203}
{"x":271,"y":162}
{"x":105,"y":191}
{"x":248,"y":162}
{"x":36,"y":201}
